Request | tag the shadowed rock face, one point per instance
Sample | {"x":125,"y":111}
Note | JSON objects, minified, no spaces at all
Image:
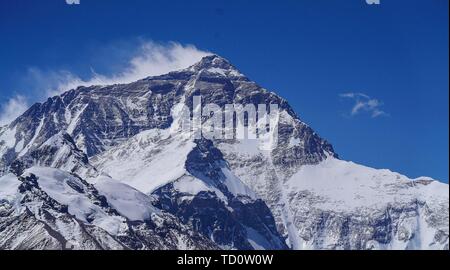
{"x":231,"y":221}
{"x":212,"y":193}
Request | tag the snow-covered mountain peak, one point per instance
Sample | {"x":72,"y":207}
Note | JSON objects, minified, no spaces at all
{"x":120,"y":152}
{"x":212,"y":61}
{"x":218,"y":66}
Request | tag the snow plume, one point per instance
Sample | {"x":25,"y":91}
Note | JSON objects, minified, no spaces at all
{"x":150,"y":59}
{"x":13,"y":108}
{"x":364,"y":103}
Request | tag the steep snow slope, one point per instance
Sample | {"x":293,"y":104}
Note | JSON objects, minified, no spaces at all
{"x":198,"y":181}
{"x":148,"y":160}
{"x":129,"y":202}
{"x":155,"y":158}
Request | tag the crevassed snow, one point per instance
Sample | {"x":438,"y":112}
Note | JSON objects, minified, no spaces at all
{"x":54,"y":182}
{"x":128,"y":201}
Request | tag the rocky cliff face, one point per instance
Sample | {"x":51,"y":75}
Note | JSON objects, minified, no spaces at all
{"x":121,"y":148}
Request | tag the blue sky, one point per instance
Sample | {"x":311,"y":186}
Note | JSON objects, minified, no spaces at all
{"x":325,"y":57}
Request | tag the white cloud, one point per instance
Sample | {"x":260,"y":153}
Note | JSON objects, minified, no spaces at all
{"x":364,"y":103}
{"x":150,"y":59}
{"x":13,"y":108}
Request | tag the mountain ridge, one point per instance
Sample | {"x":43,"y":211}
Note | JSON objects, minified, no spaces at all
{"x":129,"y":132}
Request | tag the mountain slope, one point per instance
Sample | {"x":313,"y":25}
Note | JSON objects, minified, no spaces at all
{"x":46,"y":208}
{"x":219,"y":193}
{"x":341,"y":205}
{"x":190,"y":179}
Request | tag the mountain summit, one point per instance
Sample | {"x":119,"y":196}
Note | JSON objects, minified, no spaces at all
{"x":105,"y":167}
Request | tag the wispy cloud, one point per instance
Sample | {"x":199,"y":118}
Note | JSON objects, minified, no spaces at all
{"x":150,"y":59}
{"x":12,"y":108}
{"x":364,"y":103}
